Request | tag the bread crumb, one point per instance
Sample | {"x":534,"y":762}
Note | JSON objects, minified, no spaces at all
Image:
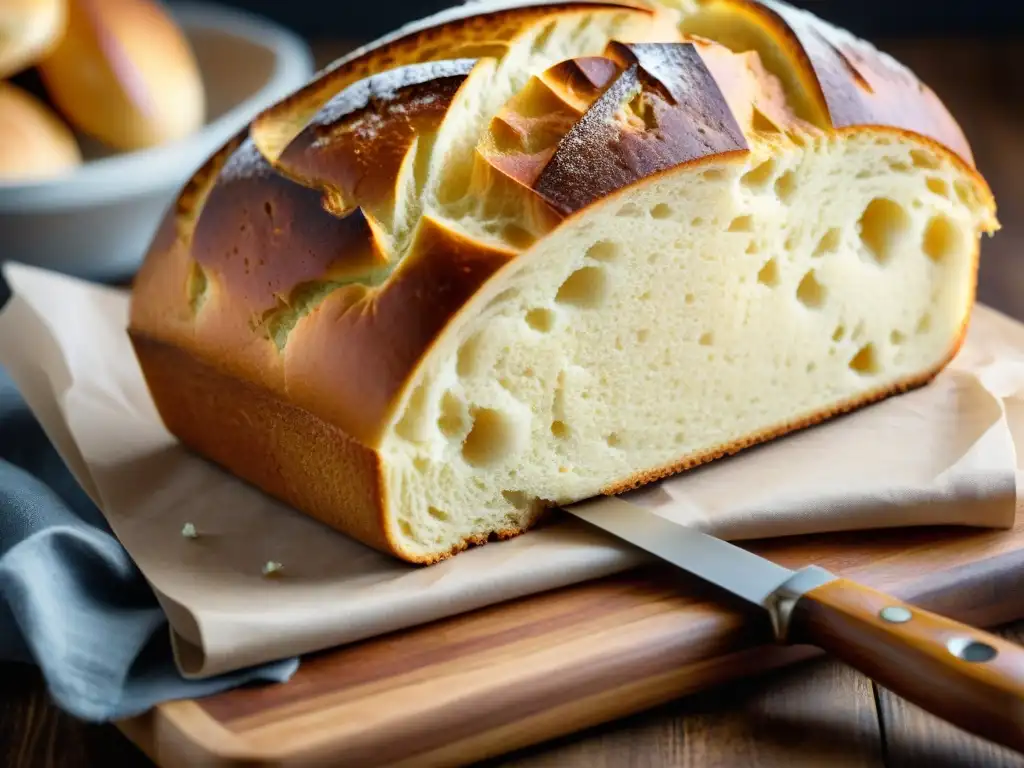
{"x":271,"y":567}
{"x":189,"y":531}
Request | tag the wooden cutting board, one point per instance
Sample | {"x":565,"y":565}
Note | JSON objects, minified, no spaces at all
{"x":498,"y":679}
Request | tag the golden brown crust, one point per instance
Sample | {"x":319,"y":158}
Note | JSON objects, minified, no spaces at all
{"x":280,"y":448}
{"x":265,"y":440}
{"x":862,"y":86}
{"x":524,"y":134}
{"x":837,"y":80}
{"x":663,"y":110}
{"x":350,"y":360}
{"x":353,"y":148}
{"x":472,"y":30}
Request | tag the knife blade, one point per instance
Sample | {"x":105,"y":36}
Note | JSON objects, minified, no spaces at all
{"x":971,"y":679}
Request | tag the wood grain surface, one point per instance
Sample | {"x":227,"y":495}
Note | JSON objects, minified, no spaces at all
{"x":819,"y":713}
{"x":485,"y":683}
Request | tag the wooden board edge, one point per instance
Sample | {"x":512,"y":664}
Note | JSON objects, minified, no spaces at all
{"x":183,"y":733}
{"x":180,"y":734}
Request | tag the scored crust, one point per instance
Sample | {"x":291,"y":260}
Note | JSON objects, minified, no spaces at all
{"x":278,"y":277}
{"x":472,"y":30}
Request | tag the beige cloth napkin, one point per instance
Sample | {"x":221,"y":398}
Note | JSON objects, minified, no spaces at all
{"x":943,"y":454}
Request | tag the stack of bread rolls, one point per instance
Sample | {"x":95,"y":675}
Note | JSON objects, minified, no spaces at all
{"x":120,"y":73}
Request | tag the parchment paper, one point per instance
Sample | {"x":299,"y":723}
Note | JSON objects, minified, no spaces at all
{"x":944,"y":454}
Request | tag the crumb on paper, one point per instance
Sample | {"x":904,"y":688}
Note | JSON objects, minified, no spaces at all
{"x":271,"y":567}
{"x":188,"y":530}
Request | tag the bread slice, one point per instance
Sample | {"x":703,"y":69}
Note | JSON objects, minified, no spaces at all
{"x":431,"y":304}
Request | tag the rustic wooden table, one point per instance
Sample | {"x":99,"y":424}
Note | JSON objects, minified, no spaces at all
{"x":819,"y":714}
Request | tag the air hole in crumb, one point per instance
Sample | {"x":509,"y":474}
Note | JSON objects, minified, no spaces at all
{"x":517,"y":499}
{"x":937,"y":186}
{"x":468,"y":357}
{"x":922,"y":159}
{"x":898,"y":166}
{"x":586,"y":287}
{"x":812,"y":367}
{"x":706,"y":339}
{"x":753,"y":247}
{"x":629,"y":211}
{"x":942,"y":238}
{"x":839,"y":333}
{"x":454,"y":418}
{"x":492,"y":438}
{"x":965,"y":194}
{"x":662,"y":211}
{"x":689,"y":298}
{"x":742,"y":224}
{"x":769,"y":274}
{"x":421,"y":465}
{"x":645,"y":296}
{"x":760,"y":176}
{"x":791,"y":241}
{"x":613,"y":440}
{"x":785,"y":186}
{"x":865,"y":362}
{"x":696,"y":221}
{"x":406,"y":529}
{"x":882,"y":227}
{"x":713,"y":175}
{"x":829,"y":242}
{"x":924,"y":324}
{"x":642,"y":335}
{"x":810,"y":292}
{"x":540,"y":319}
{"x":438,"y":514}
{"x":604,"y":250}
{"x":896,"y":338}
{"x":560,"y":429}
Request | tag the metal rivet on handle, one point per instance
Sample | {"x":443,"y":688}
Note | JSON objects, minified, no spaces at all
{"x":895,"y":614}
{"x":973,"y":651}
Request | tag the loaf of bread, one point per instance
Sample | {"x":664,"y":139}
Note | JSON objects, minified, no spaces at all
{"x":29,"y":29}
{"x":521,"y":254}
{"x":34,"y":142}
{"x":124,"y":74}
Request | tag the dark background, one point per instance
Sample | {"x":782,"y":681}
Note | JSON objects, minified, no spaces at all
{"x":360,"y":19}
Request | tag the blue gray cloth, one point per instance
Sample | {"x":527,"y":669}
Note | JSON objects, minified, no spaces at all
{"x":72,"y":601}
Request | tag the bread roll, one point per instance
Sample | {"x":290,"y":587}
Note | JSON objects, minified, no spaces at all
{"x":125,"y":74}
{"x":29,"y":29}
{"x":34,"y":143}
{"x":518,"y":255}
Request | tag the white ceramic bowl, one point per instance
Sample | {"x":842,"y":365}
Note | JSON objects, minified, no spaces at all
{"x":97,"y":222}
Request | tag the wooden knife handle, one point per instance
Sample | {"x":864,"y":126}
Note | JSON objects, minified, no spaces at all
{"x":969,"y":678}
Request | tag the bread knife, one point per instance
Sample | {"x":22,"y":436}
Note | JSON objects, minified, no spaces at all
{"x":969,"y":678}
